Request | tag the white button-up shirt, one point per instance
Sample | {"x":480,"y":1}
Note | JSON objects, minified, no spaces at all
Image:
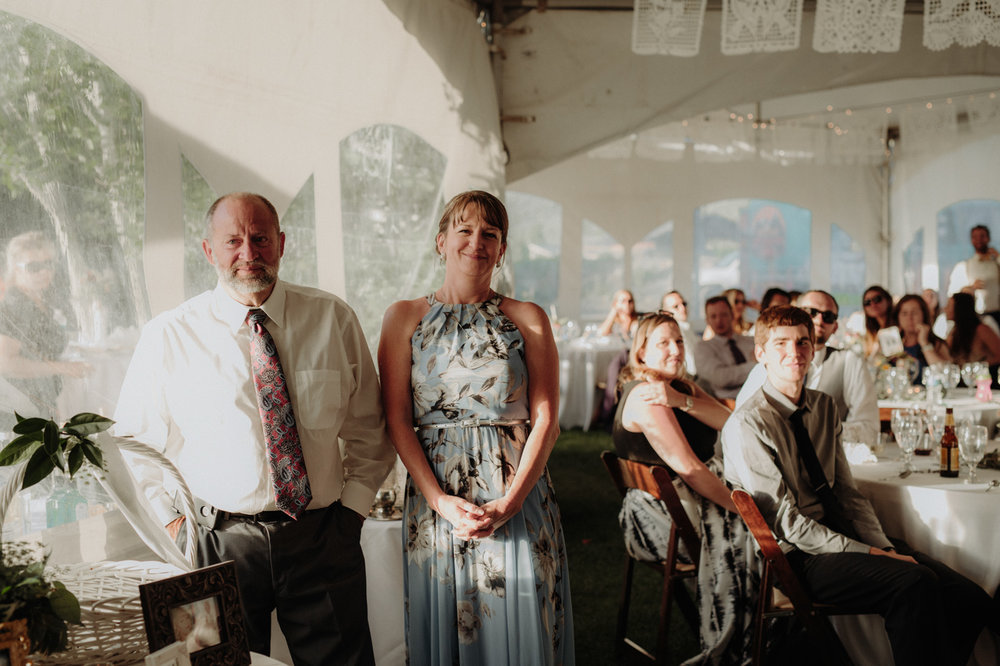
{"x":189,"y":393}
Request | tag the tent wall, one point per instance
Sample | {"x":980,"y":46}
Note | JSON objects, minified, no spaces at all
{"x":257,"y":96}
{"x":631,"y":197}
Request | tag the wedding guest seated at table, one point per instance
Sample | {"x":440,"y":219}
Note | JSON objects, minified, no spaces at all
{"x":622,"y":319}
{"x":783,"y":447}
{"x":840,"y":373}
{"x":970,"y":339}
{"x":941,"y":323}
{"x":773,"y":296}
{"x":665,"y":419}
{"x":738,"y":303}
{"x":674,"y":304}
{"x":33,"y":328}
{"x":726,"y":359}
{"x":877,"y":304}
{"x":919,"y":341}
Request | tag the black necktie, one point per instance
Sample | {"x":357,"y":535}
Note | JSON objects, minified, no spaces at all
{"x":737,"y":354}
{"x":833,"y":515}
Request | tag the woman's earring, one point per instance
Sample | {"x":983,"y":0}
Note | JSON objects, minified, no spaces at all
{"x":441,"y":259}
{"x":500,"y":263}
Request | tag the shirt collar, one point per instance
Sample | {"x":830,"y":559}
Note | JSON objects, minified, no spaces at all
{"x":781,"y":403}
{"x":234,"y":313}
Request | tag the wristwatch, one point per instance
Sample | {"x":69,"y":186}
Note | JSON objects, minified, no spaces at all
{"x":688,"y":404}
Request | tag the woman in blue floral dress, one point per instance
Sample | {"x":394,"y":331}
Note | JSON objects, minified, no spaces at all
{"x":470,"y":385}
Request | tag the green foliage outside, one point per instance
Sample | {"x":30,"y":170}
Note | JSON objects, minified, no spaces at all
{"x":71,"y":140}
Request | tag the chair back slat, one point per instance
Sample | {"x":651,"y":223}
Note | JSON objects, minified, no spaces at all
{"x":773,"y":555}
{"x":655,"y":480}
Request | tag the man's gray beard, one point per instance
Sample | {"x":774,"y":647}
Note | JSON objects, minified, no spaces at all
{"x":249,"y":285}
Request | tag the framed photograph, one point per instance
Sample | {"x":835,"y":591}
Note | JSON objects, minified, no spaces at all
{"x":890,"y":341}
{"x":202,"y":611}
{"x":175,"y":654}
{"x":13,"y":643}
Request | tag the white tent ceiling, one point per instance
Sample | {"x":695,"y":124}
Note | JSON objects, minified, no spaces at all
{"x":570,"y":81}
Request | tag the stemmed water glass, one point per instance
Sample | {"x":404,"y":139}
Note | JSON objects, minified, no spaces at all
{"x":951,"y":374}
{"x":971,"y":447}
{"x":971,"y":372}
{"x":910,"y":431}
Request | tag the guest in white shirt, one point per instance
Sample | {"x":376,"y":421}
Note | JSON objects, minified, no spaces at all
{"x":190,"y":392}
{"x":725,"y":360}
{"x":840,"y":373}
{"x":979,"y":275}
{"x":674,"y":304}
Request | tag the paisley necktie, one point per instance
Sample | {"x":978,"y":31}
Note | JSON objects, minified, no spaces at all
{"x":288,"y":470}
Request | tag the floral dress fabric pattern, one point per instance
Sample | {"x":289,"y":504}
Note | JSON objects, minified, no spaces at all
{"x":504,"y":599}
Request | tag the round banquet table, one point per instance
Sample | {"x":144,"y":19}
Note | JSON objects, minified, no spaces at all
{"x":582,"y":363}
{"x":947,"y":519}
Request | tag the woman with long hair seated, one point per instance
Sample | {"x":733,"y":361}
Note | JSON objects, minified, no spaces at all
{"x":663,"y":418}
{"x":919,"y":342}
{"x":970,"y":339}
{"x":877,"y":303}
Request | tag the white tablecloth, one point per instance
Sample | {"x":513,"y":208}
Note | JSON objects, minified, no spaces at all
{"x":956,"y":523}
{"x":985,"y":413}
{"x":583,"y":363}
{"x":381,"y":541}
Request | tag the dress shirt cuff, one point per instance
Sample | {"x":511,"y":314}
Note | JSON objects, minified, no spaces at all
{"x":163,"y":507}
{"x":357,"y":497}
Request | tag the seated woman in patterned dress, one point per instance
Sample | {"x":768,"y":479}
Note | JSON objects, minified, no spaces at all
{"x":665,"y":419}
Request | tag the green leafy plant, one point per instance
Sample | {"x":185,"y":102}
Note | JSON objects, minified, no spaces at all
{"x":24,"y":590}
{"x":26,"y":594}
{"x":46,"y":446}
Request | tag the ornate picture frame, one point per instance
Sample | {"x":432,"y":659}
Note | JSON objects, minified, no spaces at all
{"x":14,"y":642}
{"x":201,"y":609}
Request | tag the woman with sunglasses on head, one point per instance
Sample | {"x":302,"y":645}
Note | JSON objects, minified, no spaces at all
{"x":877,"y":305}
{"x":919,"y":342}
{"x":33,"y":333}
{"x":665,"y":419}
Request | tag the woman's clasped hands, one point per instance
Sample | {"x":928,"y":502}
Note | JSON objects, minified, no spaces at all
{"x":470,"y":521}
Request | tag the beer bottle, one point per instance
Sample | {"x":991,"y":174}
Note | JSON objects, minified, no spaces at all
{"x":949,"y":446}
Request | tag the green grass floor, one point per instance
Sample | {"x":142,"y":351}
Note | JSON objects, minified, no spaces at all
{"x":589,"y":504}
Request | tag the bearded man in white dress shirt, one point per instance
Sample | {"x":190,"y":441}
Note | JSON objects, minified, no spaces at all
{"x":190,"y":392}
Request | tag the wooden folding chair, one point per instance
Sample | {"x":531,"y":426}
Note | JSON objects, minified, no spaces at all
{"x":655,"y":480}
{"x":791,"y":598}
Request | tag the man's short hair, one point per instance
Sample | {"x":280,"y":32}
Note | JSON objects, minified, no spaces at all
{"x":983,"y":227}
{"x":240,"y":196}
{"x":798,"y":301}
{"x":718,"y":299}
{"x":781,"y":315}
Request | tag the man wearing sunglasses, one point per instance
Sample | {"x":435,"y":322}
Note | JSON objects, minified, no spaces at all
{"x":839,"y":373}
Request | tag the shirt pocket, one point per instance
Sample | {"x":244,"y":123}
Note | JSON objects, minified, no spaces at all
{"x":320,"y":398}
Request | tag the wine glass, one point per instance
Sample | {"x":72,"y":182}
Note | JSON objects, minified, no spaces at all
{"x":950,"y":376}
{"x":935,"y":429}
{"x":910,"y":430}
{"x":971,"y":447}
{"x":970,"y":371}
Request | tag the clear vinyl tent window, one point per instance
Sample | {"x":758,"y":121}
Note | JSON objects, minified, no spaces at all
{"x":72,"y":201}
{"x":653,"y":267}
{"x":751,"y":244}
{"x":954,"y":222}
{"x":602,"y":274}
{"x":534,"y":248}
{"x":847,"y":271}
{"x":391,"y":201}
